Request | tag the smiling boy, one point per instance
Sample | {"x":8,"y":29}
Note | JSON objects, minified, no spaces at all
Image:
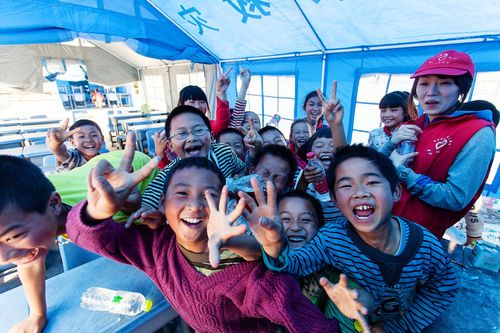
{"x":399,"y":262}
{"x":189,"y":134}
{"x":85,"y":135}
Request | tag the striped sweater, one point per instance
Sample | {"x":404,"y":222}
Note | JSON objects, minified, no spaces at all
{"x":219,"y":153}
{"x":410,"y":290}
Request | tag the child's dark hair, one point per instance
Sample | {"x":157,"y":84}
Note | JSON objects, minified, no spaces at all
{"x":191,"y":93}
{"x":381,"y":161}
{"x":268,"y":128}
{"x":195,"y":162}
{"x":398,"y":99}
{"x":318,"y":210}
{"x":310,"y":95}
{"x":298,"y":121}
{"x":463,"y":82}
{"x":480,"y":105}
{"x":324,"y":132}
{"x":84,"y":122}
{"x":183,"y":109}
{"x":23,"y":185}
{"x":279,"y":151}
{"x":228,"y":131}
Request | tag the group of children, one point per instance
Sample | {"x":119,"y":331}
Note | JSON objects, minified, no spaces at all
{"x":225,"y":269}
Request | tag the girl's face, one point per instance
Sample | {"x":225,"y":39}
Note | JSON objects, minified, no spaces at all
{"x":300,"y":133}
{"x":186,"y":208}
{"x":323,"y":148}
{"x":436,"y":95}
{"x":199,"y":104}
{"x":392,"y":117}
{"x":314,"y":109}
{"x":299,"y":220}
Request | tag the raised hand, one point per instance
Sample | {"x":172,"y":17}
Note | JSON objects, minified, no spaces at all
{"x":160,"y":140}
{"x":151,"y":217}
{"x":55,"y":140}
{"x":348,"y":300}
{"x":220,"y":225}
{"x":252,"y":140}
{"x":223,"y":83}
{"x":332,"y":109}
{"x":313,"y":174}
{"x":245,"y":77}
{"x":264,"y":219}
{"x":108,"y":188}
{"x":406,"y":132}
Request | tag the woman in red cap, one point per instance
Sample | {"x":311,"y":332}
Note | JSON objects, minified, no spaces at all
{"x":454,"y":147}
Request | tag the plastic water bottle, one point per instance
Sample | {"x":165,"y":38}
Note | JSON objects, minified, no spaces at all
{"x":274,"y":120}
{"x":406,"y":147}
{"x":115,"y":301}
{"x":243,"y":183}
{"x":320,"y":186}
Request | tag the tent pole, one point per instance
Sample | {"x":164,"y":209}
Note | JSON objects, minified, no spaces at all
{"x":323,"y":72}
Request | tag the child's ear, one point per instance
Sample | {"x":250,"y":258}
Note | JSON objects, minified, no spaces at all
{"x":332,"y":197}
{"x":212,"y":136}
{"x":55,"y":203}
{"x":161,"y":206}
{"x":396,"y":194}
{"x":72,"y":141}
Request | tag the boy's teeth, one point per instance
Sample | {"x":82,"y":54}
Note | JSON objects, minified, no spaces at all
{"x":362,"y":207}
{"x":193,"y":220}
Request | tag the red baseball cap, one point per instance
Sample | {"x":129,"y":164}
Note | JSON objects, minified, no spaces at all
{"x":449,"y":62}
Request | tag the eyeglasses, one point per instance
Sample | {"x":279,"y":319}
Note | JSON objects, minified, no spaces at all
{"x":197,"y":131}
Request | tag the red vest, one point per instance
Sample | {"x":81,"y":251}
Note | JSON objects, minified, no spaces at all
{"x":438,"y":147}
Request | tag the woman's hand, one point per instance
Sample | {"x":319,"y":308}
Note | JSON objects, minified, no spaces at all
{"x":406,"y":132}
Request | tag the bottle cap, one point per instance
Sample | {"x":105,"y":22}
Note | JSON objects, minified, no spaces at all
{"x":311,"y":155}
{"x":357,"y":326}
{"x":148,"y":304}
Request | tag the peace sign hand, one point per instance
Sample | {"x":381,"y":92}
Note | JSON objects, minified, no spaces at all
{"x":108,"y":188}
{"x":253,"y":141}
{"x":220,"y":225}
{"x":332,"y":109}
{"x":223,"y":83}
{"x":56,"y":136}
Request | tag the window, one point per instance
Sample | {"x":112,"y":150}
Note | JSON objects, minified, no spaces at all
{"x":372,"y":87}
{"x":190,"y":79}
{"x":271,"y":94}
{"x":155,"y":92}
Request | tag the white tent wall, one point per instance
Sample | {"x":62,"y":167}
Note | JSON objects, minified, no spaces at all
{"x":21,"y":65}
{"x":171,"y":86}
{"x":348,"y":67}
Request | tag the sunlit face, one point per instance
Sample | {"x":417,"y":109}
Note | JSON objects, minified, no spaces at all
{"x":275,"y":169}
{"x":323,"y":148}
{"x":198,"y":103}
{"x":436,"y":95}
{"x":246,"y":121}
{"x":192,"y":145}
{"x":299,"y":134}
{"x":273,"y":137}
{"x":88,"y":140}
{"x":314,"y":109}
{"x":235,"y":142}
{"x":392,"y":117}
{"x":25,"y":237}
{"x":364,"y":195}
{"x":186,"y":208}
{"x":299,"y":221}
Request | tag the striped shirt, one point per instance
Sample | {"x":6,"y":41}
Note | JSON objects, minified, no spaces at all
{"x":74,"y":160}
{"x":219,"y":153}
{"x":200,"y":261}
{"x":410,"y":290}
{"x":238,"y":115}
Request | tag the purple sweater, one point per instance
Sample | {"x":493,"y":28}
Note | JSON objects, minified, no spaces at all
{"x":246,"y":297}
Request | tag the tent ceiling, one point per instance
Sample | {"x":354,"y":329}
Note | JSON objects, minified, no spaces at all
{"x":208,"y":31}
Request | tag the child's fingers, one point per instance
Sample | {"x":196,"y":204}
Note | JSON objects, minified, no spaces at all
{"x":249,"y":202}
{"x":228,"y":71}
{"x":236,"y":231}
{"x":70,"y":133}
{"x":134,"y":216}
{"x":128,"y":154}
{"x":146,"y":170}
{"x":321,"y":96}
{"x":326,"y":284}
{"x":223,"y":199}
{"x":238,"y":210}
{"x":64,"y":124}
{"x":243,"y":130}
{"x":214,"y":252}
{"x":259,"y":194}
{"x":251,"y":122}
{"x":271,"y":194}
{"x":343,"y":280}
{"x":333,"y":96}
{"x":210,"y":202}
